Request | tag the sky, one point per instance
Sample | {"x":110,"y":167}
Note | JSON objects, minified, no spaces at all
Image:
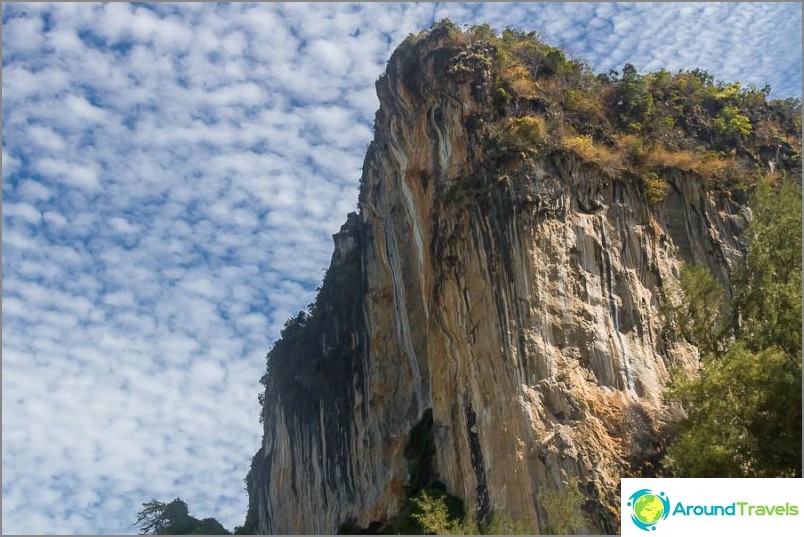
{"x":172,"y":175}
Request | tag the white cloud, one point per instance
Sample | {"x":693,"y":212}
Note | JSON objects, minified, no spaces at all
{"x":123,"y":225}
{"x":172,"y":177}
{"x":46,"y":138}
{"x":23,"y":211}
{"x":10,"y":164}
{"x":66,"y":42}
{"x":25,"y":34}
{"x":81,"y":109}
{"x":54,"y":218}
{"x":209,"y":373}
{"x":70,"y":173}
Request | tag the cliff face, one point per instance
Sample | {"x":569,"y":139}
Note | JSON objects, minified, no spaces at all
{"x":519,"y":299}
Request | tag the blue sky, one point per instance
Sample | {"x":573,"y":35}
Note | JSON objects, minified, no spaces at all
{"x":172,"y":175}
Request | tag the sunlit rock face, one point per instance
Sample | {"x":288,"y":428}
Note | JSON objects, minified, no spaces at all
{"x":520,"y":300}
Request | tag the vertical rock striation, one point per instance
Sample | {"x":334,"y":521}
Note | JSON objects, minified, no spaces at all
{"x":519,"y":301}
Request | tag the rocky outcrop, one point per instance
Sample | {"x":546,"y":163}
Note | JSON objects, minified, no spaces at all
{"x":518,"y":300}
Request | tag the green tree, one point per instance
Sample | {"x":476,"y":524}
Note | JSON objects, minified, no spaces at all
{"x":767,"y":290}
{"x":501,"y":525}
{"x":555,"y":62}
{"x":701,"y":315}
{"x":563,"y":509}
{"x":731,"y":125}
{"x":158,"y":518}
{"x":433,"y":515}
{"x":744,"y":407}
{"x":436,"y":517}
{"x":484,"y":32}
{"x":656,"y":187}
{"x":732,"y":413}
{"x":633,"y":100}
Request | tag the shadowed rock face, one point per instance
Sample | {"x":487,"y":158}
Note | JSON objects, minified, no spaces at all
{"x":519,"y":299}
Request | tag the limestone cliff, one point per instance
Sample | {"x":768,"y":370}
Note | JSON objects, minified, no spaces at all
{"x":515,"y":298}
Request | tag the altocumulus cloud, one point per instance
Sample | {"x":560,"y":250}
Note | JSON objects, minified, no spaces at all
{"x":171,"y":177}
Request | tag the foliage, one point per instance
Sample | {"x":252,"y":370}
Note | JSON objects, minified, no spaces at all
{"x":484,"y":32}
{"x":586,"y":104}
{"x":436,"y":518}
{"x":563,"y":509}
{"x":432,"y":514}
{"x":632,"y":147}
{"x":700,"y":317}
{"x":607,"y":159}
{"x":706,"y":164}
{"x":423,"y":511}
{"x":686,"y":120}
{"x":731,"y":125}
{"x":158,"y":518}
{"x":744,"y":407}
{"x":524,"y":86}
{"x":633,"y":101}
{"x":768,"y":288}
{"x":445,"y":27}
{"x":732,"y":406}
{"x":501,"y":98}
{"x":555,"y":62}
{"x":656,"y":188}
{"x":502,"y":525}
{"x":527,"y":129}
{"x":427,"y":507}
{"x":658,"y":156}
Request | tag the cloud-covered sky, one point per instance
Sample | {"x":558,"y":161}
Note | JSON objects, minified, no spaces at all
{"x":172,"y":174}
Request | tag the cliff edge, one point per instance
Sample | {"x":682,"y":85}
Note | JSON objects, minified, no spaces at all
{"x":493,"y":316}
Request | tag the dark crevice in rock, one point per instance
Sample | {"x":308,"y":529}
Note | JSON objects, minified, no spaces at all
{"x":420,"y":452}
{"x":483,"y":510}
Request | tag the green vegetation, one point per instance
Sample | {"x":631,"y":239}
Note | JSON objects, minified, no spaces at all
{"x":732,"y":409}
{"x":428,"y":509}
{"x":158,"y":518}
{"x":298,"y":353}
{"x":437,"y":513}
{"x":564,"y":509}
{"x":527,"y":129}
{"x":744,"y":406}
{"x":767,"y":291}
{"x":436,"y":517}
{"x":605,"y":158}
{"x":433,"y":515}
{"x":426,"y":499}
{"x":687,"y":121}
{"x":501,"y":98}
{"x":730,"y":125}
{"x":656,"y":188}
{"x":632,"y":99}
{"x":701,"y":315}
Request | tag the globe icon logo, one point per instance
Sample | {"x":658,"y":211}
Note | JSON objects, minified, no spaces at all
{"x":648,"y":508}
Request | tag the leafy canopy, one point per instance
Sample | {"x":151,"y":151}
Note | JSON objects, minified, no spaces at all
{"x":744,"y":407}
{"x":158,"y":518}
